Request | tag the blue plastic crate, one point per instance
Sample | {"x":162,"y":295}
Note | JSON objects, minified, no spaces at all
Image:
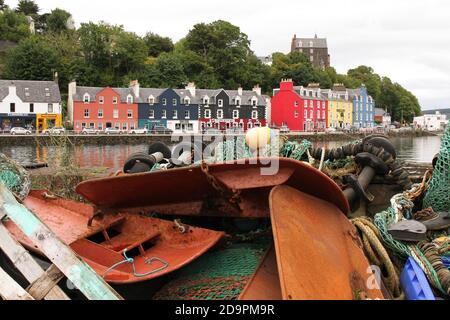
{"x":415,"y":283}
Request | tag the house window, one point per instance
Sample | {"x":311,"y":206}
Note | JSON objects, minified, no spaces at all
{"x":238,"y":102}
{"x":323,"y":104}
{"x":163,"y":114}
{"x":295,"y":114}
{"x":151,"y":114}
{"x":323,"y":114}
{"x":129,"y":99}
{"x":219,"y":114}
{"x":86,"y":98}
{"x":311,"y":104}
{"x":296,"y":103}
{"x":164,"y":102}
{"x":250,"y":125}
{"x":208,"y":114}
{"x":311,"y":114}
{"x":92,"y":125}
{"x":12,"y":107}
{"x":132,"y":125}
{"x":117,"y":125}
{"x":101,"y":100}
{"x":254,"y":114}
{"x":254,"y":102}
{"x":174,"y":102}
{"x":116,"y":113}
{"x":83,"y":125}
{"x":124,"y":126}
{"x":318,"y":113}
{"x":31,"y":107}
{"x":130,"y":113}
{"x":220,"y":103}
{"x":151,"y":100}
{"x":174,"y":114}
{"x":114,"y":100}
{"x":86,"y":113}
{"x":100,"y":126}
{"x":100,"y":113}
{"x":187,"y":101}
{"x":187,"y":114}
{"x":306,"y":114}
{"x":235,"y":114}
{"x":206,"y":100}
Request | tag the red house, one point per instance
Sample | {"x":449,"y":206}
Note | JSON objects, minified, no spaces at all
{"x":299,"y":108}
{"x":101,"y":108}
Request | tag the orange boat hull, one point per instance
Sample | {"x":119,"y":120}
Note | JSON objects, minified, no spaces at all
{"x":157,"y":246}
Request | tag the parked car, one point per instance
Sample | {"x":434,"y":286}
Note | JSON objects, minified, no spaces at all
{"x":55,"y":130}
{"x":161,"y":130}
{"x":330,"y":130}
{"x":212,"y":131}
{"x":20,"y":131}
{"x":87,"y":131}
{"x":113,"y":131}
{"x":285,"y":129}
{"x":138,"y":131}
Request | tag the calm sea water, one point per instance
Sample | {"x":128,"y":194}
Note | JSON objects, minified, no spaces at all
{"x":421,"y":149}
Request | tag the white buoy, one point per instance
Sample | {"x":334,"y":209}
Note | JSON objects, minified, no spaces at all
{"x":258,"y":138}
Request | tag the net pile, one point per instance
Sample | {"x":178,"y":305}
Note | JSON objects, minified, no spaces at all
{"x":14,"y":177}
{"x":217,"y":275}
{"x":438,"y":195}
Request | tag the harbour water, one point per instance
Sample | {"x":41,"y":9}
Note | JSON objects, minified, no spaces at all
{"x":112,"y":157}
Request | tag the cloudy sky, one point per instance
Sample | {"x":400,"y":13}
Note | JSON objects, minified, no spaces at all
{"x":407,"y":40}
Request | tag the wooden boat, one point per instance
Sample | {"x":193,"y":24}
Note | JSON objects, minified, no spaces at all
{"x":153,"y":247}
{"x":231,"y":189}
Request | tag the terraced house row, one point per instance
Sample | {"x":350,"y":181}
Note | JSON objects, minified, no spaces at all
{"x":190,"y":110}
{"x":312,"y":108}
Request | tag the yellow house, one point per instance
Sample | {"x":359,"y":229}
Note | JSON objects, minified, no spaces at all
{"x":340,"y":109}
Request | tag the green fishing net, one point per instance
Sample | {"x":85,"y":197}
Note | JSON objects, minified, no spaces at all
{"x":14,"y":177}
{"x":438,"y":194}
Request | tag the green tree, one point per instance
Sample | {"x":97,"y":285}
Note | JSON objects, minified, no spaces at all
{"x":169,"y":69}
{"x":28,"y":8}
{"x":13,"y":26}
{"x":42,"y":65}
{"x":56,"y":21}
{"x":157,"y":44}
{"x":3,"y":5}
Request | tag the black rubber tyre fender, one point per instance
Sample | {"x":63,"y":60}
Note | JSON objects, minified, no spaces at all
{"x":138,"y":162}
{"x":160,"y":147}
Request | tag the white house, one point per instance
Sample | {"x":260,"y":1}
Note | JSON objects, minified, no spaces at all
{"x":431,"y":122}
{"x":31,"y":104}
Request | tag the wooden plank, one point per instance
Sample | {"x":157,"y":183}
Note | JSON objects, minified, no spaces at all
{"x":10,"y":290}
{"x":42,"y":286}
{"x":76,"y":270}
{"x":25,"y":263}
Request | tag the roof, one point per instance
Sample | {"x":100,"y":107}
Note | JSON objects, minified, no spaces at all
{"x":145,"y":93}
{"x":441,"y":111}
{"x":380,"y":112}
{"x":306,"y":42}
{"x":32,"y":91}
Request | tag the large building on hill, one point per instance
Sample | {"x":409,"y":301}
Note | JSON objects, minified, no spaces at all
{"x":316,"y":49}
{"x":188,"y":110}
{"x":35,"y":105}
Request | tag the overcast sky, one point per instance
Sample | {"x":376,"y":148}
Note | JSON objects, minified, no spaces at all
{"x":407,"y":40}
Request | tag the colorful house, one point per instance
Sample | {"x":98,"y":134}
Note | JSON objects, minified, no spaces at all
{"x":101,"y":108}
{"x":188,"y":110}
{"x":363,"y":108}
{"x":340,"y":107}
{"x":30,"y":104}
{"x":299,"y":108}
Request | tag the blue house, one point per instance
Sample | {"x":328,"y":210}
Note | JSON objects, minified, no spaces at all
{"x":171,"y":108}
{"x":363,"y":108}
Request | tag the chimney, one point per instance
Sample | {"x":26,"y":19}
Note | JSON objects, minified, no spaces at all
{"x":257,"y":89}
{"x":191,"y":88}
{"x":72,"y":91}
{"x":286,"y":85}
{"x":240,"y":91}
{"x":56,"y":77}
{"x":134,"y":85}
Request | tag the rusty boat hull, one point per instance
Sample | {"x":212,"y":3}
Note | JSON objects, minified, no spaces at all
{"x":156,"y":246}
{"x":231,"y":189}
